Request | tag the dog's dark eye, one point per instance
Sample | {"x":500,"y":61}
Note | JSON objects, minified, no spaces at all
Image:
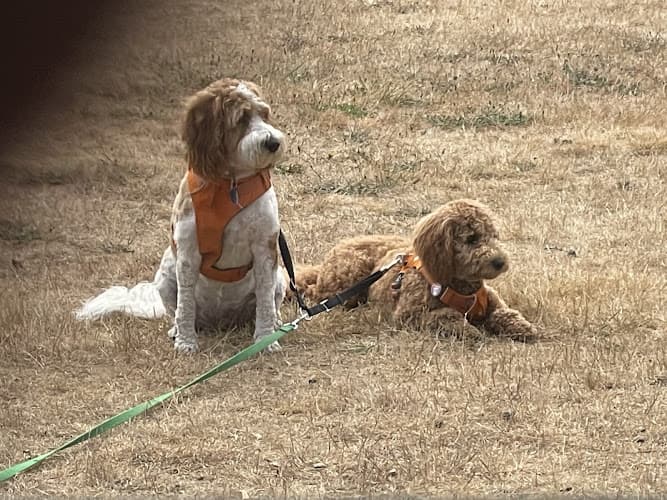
{"x":473,"y":239}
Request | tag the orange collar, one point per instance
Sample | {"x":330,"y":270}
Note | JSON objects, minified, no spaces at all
{"x":215,"y":204}
{"x":473,"y":307}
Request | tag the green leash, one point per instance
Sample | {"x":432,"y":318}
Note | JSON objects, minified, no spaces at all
{"x":147,"y":405}
{"x":307,"y":313}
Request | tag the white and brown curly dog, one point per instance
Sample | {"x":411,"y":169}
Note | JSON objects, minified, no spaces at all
{"x":440,"y":284}
{"x":221,"y":268}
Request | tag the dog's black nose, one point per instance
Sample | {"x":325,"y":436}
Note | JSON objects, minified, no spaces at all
{"x":498,"y":263}
{"x":272,"y":144}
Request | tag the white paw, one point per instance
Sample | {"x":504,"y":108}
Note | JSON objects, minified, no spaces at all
{"x":273,"y":347}
{"x":172,"y":333}
{"x":185,"y":346}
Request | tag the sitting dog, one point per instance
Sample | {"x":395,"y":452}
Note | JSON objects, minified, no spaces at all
{"x":221,"y":268}
{"x":439,"y":282}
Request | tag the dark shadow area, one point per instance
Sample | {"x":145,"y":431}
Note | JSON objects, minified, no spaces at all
{"x":41,"y":42}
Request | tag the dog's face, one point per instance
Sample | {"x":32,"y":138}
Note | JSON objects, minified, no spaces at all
{"x":227,"y":131}
{"x":459,"y":241}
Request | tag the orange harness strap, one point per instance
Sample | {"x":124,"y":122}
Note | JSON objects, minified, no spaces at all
{"x":214,"y":207}
{"x":473,"y":306}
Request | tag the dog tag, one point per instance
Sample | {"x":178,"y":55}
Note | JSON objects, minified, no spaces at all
{"x":234,"y":194}
{"x":436,"y":289}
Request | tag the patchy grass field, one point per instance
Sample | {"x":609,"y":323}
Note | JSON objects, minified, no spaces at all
{"x":552,"y":113}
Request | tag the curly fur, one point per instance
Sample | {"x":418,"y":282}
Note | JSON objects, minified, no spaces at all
{"x":458,"y":245}
{"x":227,"y":136}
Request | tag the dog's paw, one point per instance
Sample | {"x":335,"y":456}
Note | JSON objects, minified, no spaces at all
{"x":186,"y":346}
{"x":273,"y":347}
{"x":522,"y":331}
{"x":183,"y":343}
{"x":469,"y":331}
{"x":510,"y":323}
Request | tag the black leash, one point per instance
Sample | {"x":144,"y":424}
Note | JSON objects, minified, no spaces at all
{"x":337,"y":298}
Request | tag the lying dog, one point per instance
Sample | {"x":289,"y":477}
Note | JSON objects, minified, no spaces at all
{"x":221,"y":269}
{"x":439,"y":284}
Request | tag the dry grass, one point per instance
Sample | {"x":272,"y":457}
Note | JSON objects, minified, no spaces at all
{"x":553,"y":113}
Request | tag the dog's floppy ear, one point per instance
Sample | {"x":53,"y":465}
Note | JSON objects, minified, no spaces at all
{"x":254,"y":88}
{"x":247,"y":95}
{"x":203,"y":131}
{"x":434,"y":243}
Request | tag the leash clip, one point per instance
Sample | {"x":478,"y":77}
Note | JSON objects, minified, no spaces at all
{"x":299,"y":319}
{"x":397,"y":260}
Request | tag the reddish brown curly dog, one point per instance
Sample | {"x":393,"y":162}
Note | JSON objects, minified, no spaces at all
{"x":440,"y":284}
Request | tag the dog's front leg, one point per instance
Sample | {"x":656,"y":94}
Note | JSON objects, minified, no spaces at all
{"x":188,"y":260}
{"x":265,"y":269}
{"x":506,"y":322}
{"x":510,"y":323}
{"x":448,"y":322}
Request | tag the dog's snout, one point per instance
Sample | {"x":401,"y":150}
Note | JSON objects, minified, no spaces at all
{"x":272,"y":144}
{"x":498,"y":263}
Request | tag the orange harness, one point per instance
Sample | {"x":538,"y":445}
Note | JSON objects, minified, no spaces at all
{"x":473,"y":307}
{"x":215,"y":204}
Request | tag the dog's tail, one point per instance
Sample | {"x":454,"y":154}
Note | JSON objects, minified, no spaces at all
{"x":142,"y":300}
